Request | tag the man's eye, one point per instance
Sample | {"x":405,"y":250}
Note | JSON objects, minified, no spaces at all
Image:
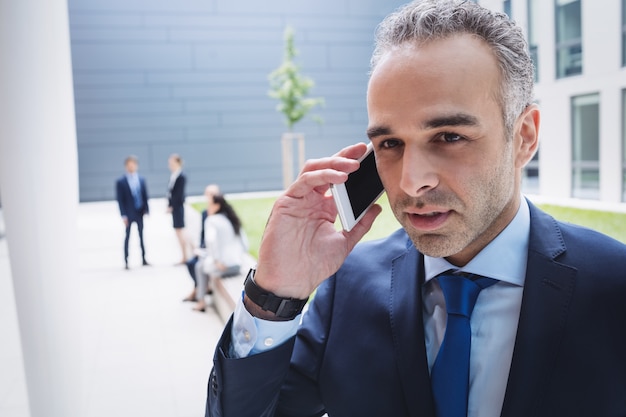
{"x":451,"y":137}
{"x":389,"y":143}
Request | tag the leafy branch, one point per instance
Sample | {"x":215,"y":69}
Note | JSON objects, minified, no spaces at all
{"x":290,"y":87}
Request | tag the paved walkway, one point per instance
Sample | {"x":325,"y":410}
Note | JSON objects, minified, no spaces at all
{"x":145,"y":353}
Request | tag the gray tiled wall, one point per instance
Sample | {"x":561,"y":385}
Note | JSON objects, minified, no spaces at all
{"x":153,"y":77}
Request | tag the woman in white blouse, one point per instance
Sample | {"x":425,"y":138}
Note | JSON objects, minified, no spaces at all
{"x":226,"y":245}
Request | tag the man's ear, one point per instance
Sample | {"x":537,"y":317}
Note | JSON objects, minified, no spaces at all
{"x":527,"y":135}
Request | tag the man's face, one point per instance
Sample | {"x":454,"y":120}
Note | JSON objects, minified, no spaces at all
{"x":131,"y":166}
{"x":450,"y":174}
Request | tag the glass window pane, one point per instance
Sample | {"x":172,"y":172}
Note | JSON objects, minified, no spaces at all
{"x":532,"y":35}
{"x":506,"y":7}
{"x":586,"y":146}
{"x":530,"y":177}
{"x":624,"y":48}
{"x":568,"y":38}
{"x":624,"y":33}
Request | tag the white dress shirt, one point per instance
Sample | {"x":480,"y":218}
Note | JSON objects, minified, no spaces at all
{"x":494,"y":319}
{"x":170,"y":185}
{"x":135,"y":188}
{"x":133,"y":182}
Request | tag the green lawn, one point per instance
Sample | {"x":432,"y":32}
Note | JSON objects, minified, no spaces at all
{"x":609,"y":223}
{"x":254,"y":214}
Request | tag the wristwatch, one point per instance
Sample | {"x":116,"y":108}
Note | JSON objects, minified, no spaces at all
{"x":285,"y":308}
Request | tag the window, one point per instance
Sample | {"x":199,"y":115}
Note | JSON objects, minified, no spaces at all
{"x":624,"y":33}
{"x":569,"y":48}
{"x":586,"y":146}
{"x":530,"y":179}
{"x":506,"y":8}
{"x":533,"y":45}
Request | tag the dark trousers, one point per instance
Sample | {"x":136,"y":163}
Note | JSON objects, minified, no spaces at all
{"x":191,"y":267}
{"x":139,"y":222}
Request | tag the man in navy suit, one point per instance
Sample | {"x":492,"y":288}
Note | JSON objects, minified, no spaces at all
{"x":132,"y":197}
{"x":452,"y":122}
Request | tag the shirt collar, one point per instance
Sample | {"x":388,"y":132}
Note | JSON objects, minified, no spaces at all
{"x":510,"y":248}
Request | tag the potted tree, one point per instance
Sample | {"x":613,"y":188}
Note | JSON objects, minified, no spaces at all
{"x":291,"y":89}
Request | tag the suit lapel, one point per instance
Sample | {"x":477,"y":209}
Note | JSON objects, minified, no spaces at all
{"x":127,"y":185}
{"x":408,"y":331}
{"x":548,"y":290}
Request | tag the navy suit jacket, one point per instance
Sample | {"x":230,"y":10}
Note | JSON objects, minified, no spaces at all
{"x":360,"y":350}
{"x":125,"y":199}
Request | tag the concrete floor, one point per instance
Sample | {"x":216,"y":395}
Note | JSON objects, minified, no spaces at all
{"x":144,"y":351}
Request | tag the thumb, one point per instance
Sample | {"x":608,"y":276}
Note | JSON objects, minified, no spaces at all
{"x":363,"y":226}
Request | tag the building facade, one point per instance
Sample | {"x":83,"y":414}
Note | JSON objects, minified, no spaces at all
{"x":579,"y":50}
{"x":153,"y":78}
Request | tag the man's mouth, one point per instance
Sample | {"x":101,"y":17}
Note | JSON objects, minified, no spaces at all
{"x":433,"y":214}
{"x":428,"y":221}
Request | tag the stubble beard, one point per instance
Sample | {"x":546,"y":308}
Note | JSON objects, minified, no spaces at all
{"x":469,"y":222}
{"x":439,"y":243}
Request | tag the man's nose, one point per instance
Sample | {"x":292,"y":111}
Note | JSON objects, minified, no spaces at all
{"x":418,"y":173}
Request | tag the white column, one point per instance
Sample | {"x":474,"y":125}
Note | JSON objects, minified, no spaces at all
{"x":39,"y":186}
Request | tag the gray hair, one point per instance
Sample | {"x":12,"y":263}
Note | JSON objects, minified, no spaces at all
{"x":427,"y":20}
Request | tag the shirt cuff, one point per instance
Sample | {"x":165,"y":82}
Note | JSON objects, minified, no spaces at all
{"x":251,"y":335}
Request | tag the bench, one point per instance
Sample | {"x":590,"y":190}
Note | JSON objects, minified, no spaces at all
{"x":227,"y":290}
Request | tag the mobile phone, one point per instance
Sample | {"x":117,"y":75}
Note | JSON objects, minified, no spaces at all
{"x":363,"y":187}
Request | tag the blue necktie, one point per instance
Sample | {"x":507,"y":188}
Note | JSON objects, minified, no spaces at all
{"x":450,"y":372}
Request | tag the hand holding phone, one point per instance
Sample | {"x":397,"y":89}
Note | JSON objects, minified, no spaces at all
{"x":301,"y":246}
{"x":363,"y":187}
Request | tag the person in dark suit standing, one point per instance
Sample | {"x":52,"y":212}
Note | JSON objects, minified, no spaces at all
{"x":132,"y":197}
{"x":390,"y":330}
{"x":176,"y":202}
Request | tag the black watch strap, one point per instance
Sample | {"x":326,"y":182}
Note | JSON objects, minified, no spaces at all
{"x":285,"y":308}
